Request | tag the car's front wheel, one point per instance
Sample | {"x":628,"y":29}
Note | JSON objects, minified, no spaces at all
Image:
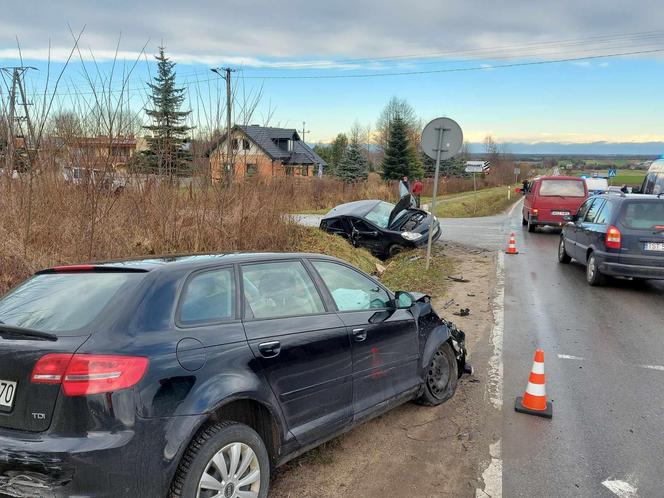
{"x":441,"y":377}
{"x":563,"y":257}
{"x":227,"y":459}
{"x":593,"y":276}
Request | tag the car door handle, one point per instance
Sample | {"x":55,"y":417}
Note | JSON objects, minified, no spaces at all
{"x":269,"y":349}
{"x":359,"y":334}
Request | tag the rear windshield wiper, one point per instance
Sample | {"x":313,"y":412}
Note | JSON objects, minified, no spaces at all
{"x":12,"y":332}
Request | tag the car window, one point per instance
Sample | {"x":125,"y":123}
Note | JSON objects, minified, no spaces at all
{"x":62,"y":301}
{"x":604,"y":215}
{"x":581,"y":214}
{"x":351,"y":290}
{"x":566,"y":188}
{"x":362,"y":226}
{"x":642,"y":215}
{"x":380,"y":214}
{"x":591,"y":215}
{"x":208,"y":297}
{"x":279,"y":289}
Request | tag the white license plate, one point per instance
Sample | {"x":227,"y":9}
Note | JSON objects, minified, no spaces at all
{"x":560,"y":213}
{"x":7,"y":393}
{"x":654,"y":246}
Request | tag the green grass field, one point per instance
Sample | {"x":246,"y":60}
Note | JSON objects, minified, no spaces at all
{"x":485,"y":202}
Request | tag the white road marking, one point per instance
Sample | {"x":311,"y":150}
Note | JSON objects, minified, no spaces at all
{"x":653,"y":367}
{"x":514,"y":207}
{"x":570,"y":357}
{"x":493,"y":473}
{"x":622,"y":489}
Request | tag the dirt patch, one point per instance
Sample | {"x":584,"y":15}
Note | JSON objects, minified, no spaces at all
{"x":416,"y":451}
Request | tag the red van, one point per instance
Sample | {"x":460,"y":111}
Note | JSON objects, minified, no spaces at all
{"x":549,"y":198}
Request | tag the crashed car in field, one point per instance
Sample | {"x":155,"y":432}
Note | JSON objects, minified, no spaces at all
{"x":381,"y":227}
{"x":195,"y":376}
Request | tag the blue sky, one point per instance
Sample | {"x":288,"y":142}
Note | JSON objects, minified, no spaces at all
{"x":615,"y":99}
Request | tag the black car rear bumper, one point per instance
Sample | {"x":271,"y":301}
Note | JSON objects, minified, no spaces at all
{"x":635,"y":271}
{"x":126,"y":463}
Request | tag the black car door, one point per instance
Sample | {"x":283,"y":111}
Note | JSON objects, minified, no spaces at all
{"x":303,"y":350}
{"x":384,"y":339}
{"x":588,"y":229}
{"x":572,"y":231}
{"x":364,"y":234}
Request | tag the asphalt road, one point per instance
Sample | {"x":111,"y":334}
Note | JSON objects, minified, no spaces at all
{"x":604,"y":363}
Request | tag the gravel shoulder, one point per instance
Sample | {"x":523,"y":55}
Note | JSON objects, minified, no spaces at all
{"x":414,"y":450}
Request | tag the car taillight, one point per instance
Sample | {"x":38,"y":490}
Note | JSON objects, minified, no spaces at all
{"x":613,"y":238}
{"x":82,"y":374}
{"x":535,"y":212}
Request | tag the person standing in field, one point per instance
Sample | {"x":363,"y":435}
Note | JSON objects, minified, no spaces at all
{"x":404,"y":187}
{"x":417,"y":191}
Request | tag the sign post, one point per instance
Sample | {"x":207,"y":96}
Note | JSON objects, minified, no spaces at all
{"x":442,"y":139}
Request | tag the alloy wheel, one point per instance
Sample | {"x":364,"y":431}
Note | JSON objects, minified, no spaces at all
{"x":233,"y":472}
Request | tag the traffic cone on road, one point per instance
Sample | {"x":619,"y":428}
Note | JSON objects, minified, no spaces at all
{"x":534,"y":400}
{"x":511,"y":245}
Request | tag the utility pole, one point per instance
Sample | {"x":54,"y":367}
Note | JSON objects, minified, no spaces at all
{"x":304,"y":130}
{"x":16,"y":73}
{"x":229,"y":142}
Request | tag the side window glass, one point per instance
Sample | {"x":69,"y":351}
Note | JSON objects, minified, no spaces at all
{"x":208,"y":297}
{"x":362,"y":226}
{"x":584,"y":209}
{"x":279,"y":289}
{"x":604,"y":216}
{"x":351,"y":290}
{"x":594,"y":209}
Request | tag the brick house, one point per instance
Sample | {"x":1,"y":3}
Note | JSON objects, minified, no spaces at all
{"x":265,"y":152}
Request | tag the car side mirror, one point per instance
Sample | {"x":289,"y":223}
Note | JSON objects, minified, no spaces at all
{"x":403,"y":300}
{"x":519,"y":190}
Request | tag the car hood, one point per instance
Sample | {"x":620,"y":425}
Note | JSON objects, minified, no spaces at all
{"x":403,"y":204}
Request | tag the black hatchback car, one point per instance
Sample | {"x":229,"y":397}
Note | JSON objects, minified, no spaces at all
{"x":195,"y":376}
{"x":381,"y":227}
{"x":618,"y":235}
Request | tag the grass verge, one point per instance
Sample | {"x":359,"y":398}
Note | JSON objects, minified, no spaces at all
{"x":484,"y":202}
{"x":406,"y":271}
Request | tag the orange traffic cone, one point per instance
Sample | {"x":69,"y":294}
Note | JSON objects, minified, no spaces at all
{"x":511,"y":245}
{"x":534,"y":400}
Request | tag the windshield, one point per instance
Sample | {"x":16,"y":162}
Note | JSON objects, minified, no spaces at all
{"x":643,"y":215}
{"x":61,"y":302}
{"x":566,"y":188}
{"x":380,"y":214}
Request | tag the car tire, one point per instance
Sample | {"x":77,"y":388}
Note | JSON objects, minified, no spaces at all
{"x":563,"y":257}
{"x":531,"y":226}
{"x":218,"y":442}
{"x":393,"y":250}
{"x":441,"y":377}
{"x":593,"y":276}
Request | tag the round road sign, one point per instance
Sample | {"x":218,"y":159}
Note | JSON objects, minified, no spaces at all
{"x":452,"y":138}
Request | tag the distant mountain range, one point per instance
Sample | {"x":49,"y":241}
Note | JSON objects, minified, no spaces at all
{"x":594,"y":148}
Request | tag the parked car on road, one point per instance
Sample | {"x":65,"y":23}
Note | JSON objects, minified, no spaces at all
{"x":381,"y":227}
{"x":618,"y":235}
{"x":597,"y":185}
{"x":653,"y":183}
{"x":549,"y":199}
{"x":194,"y":376}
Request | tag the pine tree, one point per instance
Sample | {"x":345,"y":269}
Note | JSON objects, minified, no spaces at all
{"x":166,"y":152}
{"x":400,"y":157}
{"x":353,"y":165}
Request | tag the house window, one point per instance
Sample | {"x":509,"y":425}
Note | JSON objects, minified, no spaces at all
{"x":290,"y":145}
{"x":236,"y":144}
{"x":304,"y":171}
{"x":252,"y":169}
{"x":245,"y":144}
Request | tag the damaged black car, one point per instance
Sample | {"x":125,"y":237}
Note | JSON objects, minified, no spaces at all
{"x":381,"y":227}
{"x":195,"y":376}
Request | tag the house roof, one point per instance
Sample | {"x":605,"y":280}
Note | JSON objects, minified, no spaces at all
{"x":266,"y":138}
